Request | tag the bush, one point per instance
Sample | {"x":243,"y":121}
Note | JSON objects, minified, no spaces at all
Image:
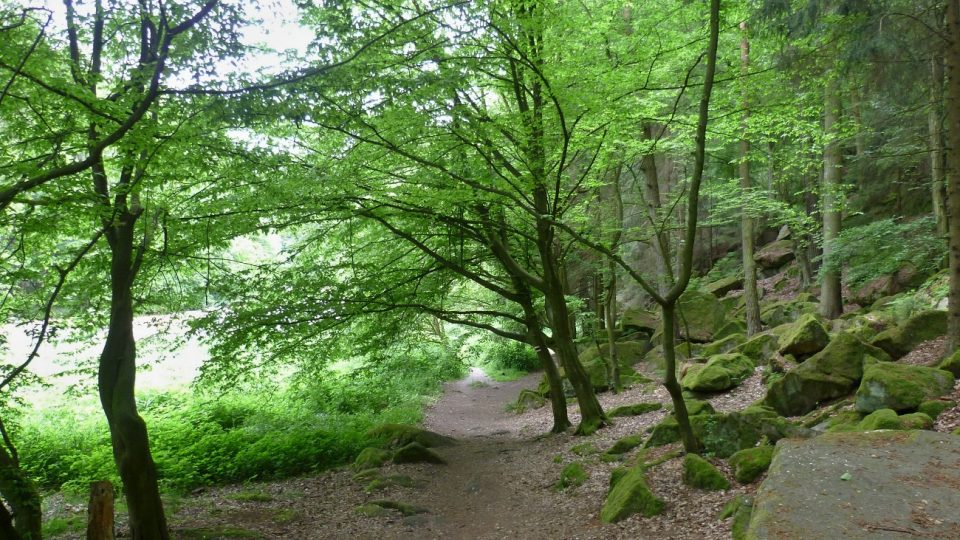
{"x":510,"y":356}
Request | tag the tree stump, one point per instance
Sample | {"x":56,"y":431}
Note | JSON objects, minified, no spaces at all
{"x":100,"y":511}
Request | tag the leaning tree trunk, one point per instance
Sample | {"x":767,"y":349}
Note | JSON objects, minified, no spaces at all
{"x":117,"y":374}
{"x":952,"y":57}
{"x":22,"y":496}
{"x":670,"y":382}
{"x":746,"y":221}
{"x":831,"y":302}
{"x":935,"y":122}
{"x":558,"y":402}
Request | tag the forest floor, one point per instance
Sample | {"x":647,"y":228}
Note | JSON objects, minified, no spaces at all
{"x":498,"y":482}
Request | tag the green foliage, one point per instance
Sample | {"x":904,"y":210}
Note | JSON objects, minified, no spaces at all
{"x":882,"y":247}
{"x":506,"y":356}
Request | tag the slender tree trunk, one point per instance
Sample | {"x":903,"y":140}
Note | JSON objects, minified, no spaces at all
{"x":953,"y":171}
{"x":751,"y":296}
{"x":117,"y":374}
{"x":670,"y":382}
{"x":935,"y":122}
{"x":558,"y":401}
{"x":831,"y":303}
{"x":22,"y":496}
{"x":7,"y":530}
{"x":860,"y":138}
{"x":652,"y":201}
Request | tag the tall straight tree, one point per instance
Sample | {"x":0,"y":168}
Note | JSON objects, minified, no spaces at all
{"x":831,"y":303}
{"x":952,"y":56}
{"x":747,"y":232}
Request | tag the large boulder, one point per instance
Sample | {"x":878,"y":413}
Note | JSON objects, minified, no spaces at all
{"x":596,"y":368}
{"x":628,"y":352}
{"x":888,"y":419}
{"x":700,"y":473}
{"x":785,"y":311}
{"x":759,"y":348}
{"x":639,"y":320}
{"x":831,"y":373}
{"x":901,"y":339}
{"x":722,"y":345}
{"x":725,"y":434}
{"x":750,"y":463}
{"x":630,"y":495}
{"x":720,"y":373}
{"x":900,"y":387}
{"x":700,"y":316}
{"x":775,"y":254}
{"x":879,"y":484}
{"x":803,"y":338}
{"x":721,"y":287}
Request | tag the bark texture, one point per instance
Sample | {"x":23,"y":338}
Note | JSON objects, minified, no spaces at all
{"x":751,"y":296}
{"x":831,"y":303}
{"x":952,"y":57}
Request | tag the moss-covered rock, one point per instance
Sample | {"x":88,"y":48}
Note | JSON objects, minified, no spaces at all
{"x":403,"y":508}
{"x":724,"y":434}
{"x":594,"y":361}
{"x":775,"y":254}
{"x":573,"y":475}
{"x":585,"y":449}
{"x":701,"y":474}
{"x":900,"y":387}
{"x":934,"y":407}
{"x":741,"y":521}
{"x":844,"y":421}
{"x":528,"y":400}
{"x":917,"y":420}
{"x":951,"y":364}
{"x":730,"y":507}
{"x":901,"y":339}
{"x":396,"y":435}
{"x":759,"y":348}
{"x":805,"y":337}
{"x":636,"y":409}
{"x":785,"y":311}
{"x":700,"y":316}
{"x":722,"y":345}
{"x":721,"y":372}
{"x":831,"y":373}
{"x":638,"y":320}
{"x":880,"y":419}
{"x":630,"y":495}
{"x":616,"y":475}
{"x":721,"y":287}
{"x":668,"y":431}
{"x":750,"y":463}
{"x":417,"y":453}
{"x":733,"y":327}
{"x":625,"y":444}
{"x":371,"y":458}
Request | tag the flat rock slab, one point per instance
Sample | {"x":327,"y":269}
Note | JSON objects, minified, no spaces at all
{"x":876,"y":485}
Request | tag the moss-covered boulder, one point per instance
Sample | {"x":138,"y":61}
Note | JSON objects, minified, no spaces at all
{"x":759,"y":348}
{"x":721,"y":287}
{"x":805,"y":337}
{"x":371,"y":458}
{"x":722,"y":345}
{"x":417,"y":453}
{"x":741,"y":520}
{"x":785,"y":311}
{"x":630,"y":495}
{"x":585,"y":449}
{"x":750,"y":463}
{"x":700,"y":316}
{"x":774,"y":255}
{"x":639,"y":320}
{"x":721,"y":372}
{"x":901,"y":339}
{"x":625,"y":444}
{"x":900,"y":387}
{"x":880,"y":419}
{"x":951,"y":364}
{"x":701,"y":474}
{"x":831,"y":373}
{"x":724,"y":434}
{"x":573,"y":475}
{"x":636,"y":409}
{"x":730,"y":328}
{"x":396,"y":435}
{"x":595,"y":361}
{"x":934,"y":407}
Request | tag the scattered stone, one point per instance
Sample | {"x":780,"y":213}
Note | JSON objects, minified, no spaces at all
{"x":750,"y":463}
{"x":901,"y":339}
{"x":868,"y":485}
{"x":805,"y":337}
{"x":630,"y":495}
{"x":900,"y":387}
{"x":951,"y":364}
{"x":417,"y":453}
{"x":701,"y":474}
{"x":636,"y":409}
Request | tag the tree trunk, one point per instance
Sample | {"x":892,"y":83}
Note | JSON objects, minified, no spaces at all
{"x":610,"y":320}
{"x":751,"y":296}
{"x":861,"y":168}
{"x":831,"y":303}
{"x":935,"y":121}
{"x":22,"y":496}
{"x":7,"y":531}
{"x":117,"y":374}
{"x":558,"y":402}
{"x":100,"y":511}
{"x":652,"y":201}
{"x":670,"y":382}
{"x":953,"y":171}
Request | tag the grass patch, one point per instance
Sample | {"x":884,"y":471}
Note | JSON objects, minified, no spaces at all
{"x":504,"y":374}
{"x":63,"y":525}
